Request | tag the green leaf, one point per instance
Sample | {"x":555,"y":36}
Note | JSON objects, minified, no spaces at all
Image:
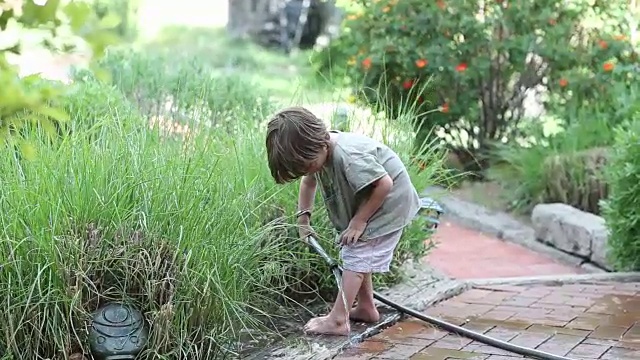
{"x":110,"y":21}
{"x":78,"y":14}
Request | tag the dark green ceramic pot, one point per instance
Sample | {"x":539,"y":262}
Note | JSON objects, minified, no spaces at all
{"x":118,"y":332}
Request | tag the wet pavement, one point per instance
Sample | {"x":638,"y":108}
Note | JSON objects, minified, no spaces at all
{"x":595,"y":320}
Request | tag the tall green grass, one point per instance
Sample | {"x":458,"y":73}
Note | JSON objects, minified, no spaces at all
{"x":189,"y":227}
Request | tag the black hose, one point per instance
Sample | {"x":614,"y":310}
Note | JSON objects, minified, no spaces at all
{"x":520,"y":350}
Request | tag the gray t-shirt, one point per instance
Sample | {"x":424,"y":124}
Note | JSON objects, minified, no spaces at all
{"x":356,"y":162}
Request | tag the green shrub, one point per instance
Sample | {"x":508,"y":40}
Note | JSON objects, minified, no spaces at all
{"x":621,"y":210}
{"x":187,"y":225}
{"x":579,"y":184}
{"x":474,"y":62}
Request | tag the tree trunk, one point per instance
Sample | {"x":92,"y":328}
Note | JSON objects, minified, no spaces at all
{"x":246,"y":17}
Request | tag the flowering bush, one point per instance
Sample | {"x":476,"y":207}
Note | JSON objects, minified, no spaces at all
{"x":468,"y":66}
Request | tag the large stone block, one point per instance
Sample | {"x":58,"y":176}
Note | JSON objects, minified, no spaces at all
{"x":572,"y":230}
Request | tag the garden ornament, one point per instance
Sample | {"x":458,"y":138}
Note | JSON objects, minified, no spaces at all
{"x":118,"y":332}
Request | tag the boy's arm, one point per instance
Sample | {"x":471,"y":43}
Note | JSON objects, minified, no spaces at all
{"x":358,"y":223}
{"x":307,"y":194}
{"x":381,"y":189}
{"x":305,"y":203}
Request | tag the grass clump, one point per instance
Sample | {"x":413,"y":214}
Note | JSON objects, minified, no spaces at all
{"x":576,"y":179}
{"x":183,"y":221}
{"x":125,"y":214}
{"x":565,"y":166}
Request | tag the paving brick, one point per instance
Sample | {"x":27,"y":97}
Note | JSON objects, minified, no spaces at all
{"x":346,"y":356}
{"x":560,"y":299}
{"x":503,"y":333}
{"x":452,"y":342}
{"x":364,"y":351}
{"x":588,"y":351}
{"x":499,"y":314}
{"x":530,"y":339}
{"x":410,"y":333}
{"x":478,"y":347}
{"x":552,"y":330}
{"x":584,"y":322}
{"x":633,"y":334}
{"x":560,"y":344}
{"x":400,"y":351}
{"x":481,"y":325}
{"x":446,"y":354}
{"x":608,"y":332}
{"x":618,"y":353}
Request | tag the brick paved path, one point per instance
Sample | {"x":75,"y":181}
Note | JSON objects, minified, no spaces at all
{"x":466,"y":254}
{"x":580,"y":321}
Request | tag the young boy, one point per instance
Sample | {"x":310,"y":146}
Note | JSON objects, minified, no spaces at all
{"x":368,"y":194}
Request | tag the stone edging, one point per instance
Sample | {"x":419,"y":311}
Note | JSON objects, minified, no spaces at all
{"x":502,"y":226}
{"x":557,"y":279}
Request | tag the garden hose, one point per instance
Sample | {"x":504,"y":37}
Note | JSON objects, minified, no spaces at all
{"x":520,"y":350}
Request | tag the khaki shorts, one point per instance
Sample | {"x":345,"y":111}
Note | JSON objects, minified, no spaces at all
{"x":371,"y":256}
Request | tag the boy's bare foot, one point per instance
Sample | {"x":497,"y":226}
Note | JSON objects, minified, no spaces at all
{"x":325,"y":325}
{"x":364,"y":314}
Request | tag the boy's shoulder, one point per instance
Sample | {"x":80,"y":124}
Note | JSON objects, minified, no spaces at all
{"x":352,"y":144}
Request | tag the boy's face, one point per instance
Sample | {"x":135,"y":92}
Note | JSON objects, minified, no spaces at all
{"x":317,"y":164}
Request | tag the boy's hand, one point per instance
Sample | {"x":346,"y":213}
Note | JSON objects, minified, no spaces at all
{"x":305,"y":229}
{"x":353,"y":232}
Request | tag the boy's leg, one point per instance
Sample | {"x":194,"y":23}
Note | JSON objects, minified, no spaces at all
{"x":372,"y":256}
{"x":366,"y":310}
{"x":337,"y":321}
{"x":359,"y":261}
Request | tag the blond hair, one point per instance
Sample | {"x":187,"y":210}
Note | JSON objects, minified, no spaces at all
{"x":295,"y":137}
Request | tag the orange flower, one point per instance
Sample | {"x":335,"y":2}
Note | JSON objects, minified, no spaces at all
{"x":366,"y":63}
{"x":461,"y":67}
{"x":444,"y":108}
{"x":352,"y":17}
{"x":603,"y":44}
{"x":608,"y":66}
{"x":386,"y":9}
{"x":407,"y":84}
{"x":420,"y":63}
{"x":620,"y":37}
{"x":441,"y":4}
{"x":563,"y":82}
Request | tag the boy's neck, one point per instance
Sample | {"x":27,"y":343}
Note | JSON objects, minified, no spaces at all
{"x":332,"y":145}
